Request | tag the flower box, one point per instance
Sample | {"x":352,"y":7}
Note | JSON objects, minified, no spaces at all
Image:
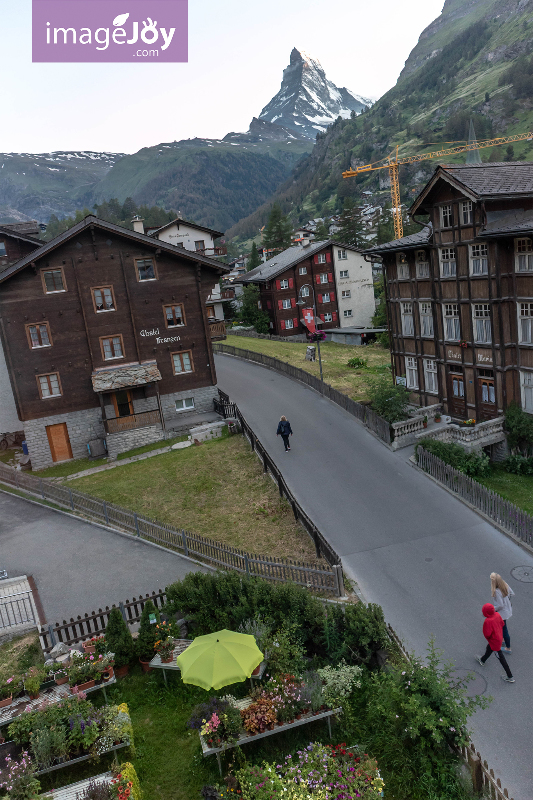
{"x":81,"y":687}
{"x":61,"y":679}
{"x":6,"y":701}
{"x":89,"y":647}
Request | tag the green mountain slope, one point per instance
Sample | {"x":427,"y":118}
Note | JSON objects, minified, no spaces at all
{"x":474,"y":61}
{"x":214,"y":182}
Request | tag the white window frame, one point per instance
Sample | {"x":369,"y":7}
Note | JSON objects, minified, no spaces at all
{"x":523,"y":248}
{"x":328,"y":317}
{"x":466,"y":212}
{"x":448,"y":262}
{"x":482,"y":323}
{"x":286,"y":304}
{"x":184,"y":407}
{"x":321,"y":258}
{"x":302,"y":270}
{"x":408,"y":322}
{"x":402,"y":267}
{"x":446,"y":215}
{"x":479,"y":258}
{"x":525,"y":323}
{"x":343,"y":273}
{"x":347,"y":312}
{"x":526,"y":391}
{"x":431,"y":382}
{"x":455,"y":376}
{"x":346,"y":293}
{"x":284,"y":283}
{"x":411,"y":372}
{"x":304,"y":291}
{"x":289,"y":324}
{"x":325,"y":297}
{"x":324,"y":277}
{"x":425,"y":311}
{"x":452,"y":322}
{"x":422,"y":264}
{"x":342,"y":255}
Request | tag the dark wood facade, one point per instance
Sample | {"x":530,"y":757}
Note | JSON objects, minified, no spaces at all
{"x":14,"y":246}
{"x":76,"y":338}
{"x":459,"y":298}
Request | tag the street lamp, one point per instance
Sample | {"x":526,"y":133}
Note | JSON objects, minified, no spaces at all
{"x":302,"y":302}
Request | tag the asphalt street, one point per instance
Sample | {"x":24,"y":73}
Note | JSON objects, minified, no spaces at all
{"x":79,"y":567}
{"x":412,"y":547}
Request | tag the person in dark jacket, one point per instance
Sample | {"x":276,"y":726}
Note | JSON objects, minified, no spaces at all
{"x":492,"y":631}
{"x":285,"y":430}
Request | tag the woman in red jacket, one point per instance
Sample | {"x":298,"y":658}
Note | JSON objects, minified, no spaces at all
{"x":492,"y":631}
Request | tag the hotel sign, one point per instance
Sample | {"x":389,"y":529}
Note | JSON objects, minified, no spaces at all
{"x":160,"y":339}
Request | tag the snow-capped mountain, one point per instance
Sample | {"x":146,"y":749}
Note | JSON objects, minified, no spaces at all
{"x":307,"y":101}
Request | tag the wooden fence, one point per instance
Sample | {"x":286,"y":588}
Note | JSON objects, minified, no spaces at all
{"x":364,"y":414}
{"x":325,"y":578}
{"x":505,"y":514}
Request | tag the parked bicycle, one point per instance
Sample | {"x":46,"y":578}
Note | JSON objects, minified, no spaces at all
{"x":11,"y":439}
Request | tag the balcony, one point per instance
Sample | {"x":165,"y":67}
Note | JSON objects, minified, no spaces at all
{"x":132,"y":421}
{"x":213,"y":251}
{"x":217,"y":329}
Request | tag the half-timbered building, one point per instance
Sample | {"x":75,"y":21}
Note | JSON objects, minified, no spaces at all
{"x":460,"y":291}
{"x":105,"y":336}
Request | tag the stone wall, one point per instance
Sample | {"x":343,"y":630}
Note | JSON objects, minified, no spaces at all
{"x":203,"y":402}
{"x":82,"y":426}
{"x":128,"y":440}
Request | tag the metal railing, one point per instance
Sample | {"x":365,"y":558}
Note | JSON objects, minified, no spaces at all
{"x":504,"y":513}
{"x":363,"y":413}
{"x":16,"y":609}
{"x":319,"y":578}
{"x":132,"y":421}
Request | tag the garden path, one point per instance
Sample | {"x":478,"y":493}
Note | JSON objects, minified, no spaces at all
{"x":413,"y":548}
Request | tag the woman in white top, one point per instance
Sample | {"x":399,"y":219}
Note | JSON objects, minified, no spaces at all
{"x":502,"y":593}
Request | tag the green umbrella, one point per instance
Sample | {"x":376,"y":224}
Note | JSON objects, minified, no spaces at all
{"x":219,"y":659}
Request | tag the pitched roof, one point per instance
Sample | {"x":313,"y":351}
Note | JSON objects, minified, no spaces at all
{"x":7,"y":230}
{"x":91,"y":221}
{"x":417,"y":239}
{"x":107,"y":379}
{"x":214,"y":234}
{"x":514,"y":221}
{"x":288,"y":258}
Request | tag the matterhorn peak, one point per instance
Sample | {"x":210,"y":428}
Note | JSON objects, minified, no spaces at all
{"x":307,"y":101}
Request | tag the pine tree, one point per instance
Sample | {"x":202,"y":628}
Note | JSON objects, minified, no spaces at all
{"x":278,"y":232}
{"x":250,"y":313}
{"x":351,"y":224}
{"x":254,"y":259}
{"x":118,"y":638}
{"x":148,"y":633}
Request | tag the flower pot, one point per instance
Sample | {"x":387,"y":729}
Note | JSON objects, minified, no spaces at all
{"x":61,"y":680}
{"x":167,"y":660}
{"x":88,"y":647}
{"x":256,"y":670}
{"x":280,"y":723}
{"x":425,"y":424}
{"x":145,"y":665}
{"x":298,"y":716}
{"x":6,"y":701}
{"x":107,"y":674}
{"x":33,"y":696}
{"x":437,"y":419}
{"x":47,"y":684}
{"x":121,"y":672}
{"x":81,"y":687}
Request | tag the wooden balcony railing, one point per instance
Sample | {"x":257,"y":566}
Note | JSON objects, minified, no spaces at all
{"x":217,"y":330}
{"x":129,"y":423}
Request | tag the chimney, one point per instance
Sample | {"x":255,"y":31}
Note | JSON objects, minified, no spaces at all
{"x":138,"y":224}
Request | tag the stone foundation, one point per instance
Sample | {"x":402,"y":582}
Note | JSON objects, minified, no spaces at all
{"x":82,"y":427}
{"x":128,"y":440}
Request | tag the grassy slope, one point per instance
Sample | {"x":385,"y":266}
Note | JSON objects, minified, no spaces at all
{"x":353,"y":382}
{"x":217,"y":490}
{"x":20,"y":654}
{"x":516,"y":488}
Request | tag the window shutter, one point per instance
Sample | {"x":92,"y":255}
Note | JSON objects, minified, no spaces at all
{"x":282,"y":324}
{"x":291,"y":283}
{"x":334,"y":316}
{"x":278,"y":285}
{"x":293,"y":302}
{"x":269,"y":304}
{"x":315,"y":258}
{"x":280,"y":304}
{"x":330,"y":276}
{"x":322,"y":317}
{"x":318,"y":279}
{"x":328,"y":258}
{"x":319,"y":298}
{"x":295,"y":322}
{"x":332,"y":297}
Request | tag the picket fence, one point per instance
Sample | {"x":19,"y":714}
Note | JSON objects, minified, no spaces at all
{"x":363,"y":413}
{"x":505,"y":514}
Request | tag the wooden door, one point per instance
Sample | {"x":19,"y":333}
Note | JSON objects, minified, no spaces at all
{"x":487,"y":395}
{"x":456,"y":395}
{"x":59,"y":442}
{"x":123,"y":403}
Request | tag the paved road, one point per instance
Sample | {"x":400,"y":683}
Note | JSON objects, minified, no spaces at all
{"x":412,"y":547}
{"x":79,"y":567}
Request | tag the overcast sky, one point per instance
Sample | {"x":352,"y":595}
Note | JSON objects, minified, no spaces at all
{"x":237,"y":52}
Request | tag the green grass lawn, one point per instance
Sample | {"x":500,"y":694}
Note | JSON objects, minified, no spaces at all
{"x":353,"y":382}
{"x":20,"y":654}
{"x":217,"y":490}
{"x":516,"y":488}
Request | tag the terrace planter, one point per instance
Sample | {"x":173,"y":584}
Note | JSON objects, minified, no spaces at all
{"x":81,"y":687}
{"x":145,"y":665}
{"x":88,"y":647}
{"x":6,"y":701}
{"x":61,"y":680}
{"x":47,"y":684}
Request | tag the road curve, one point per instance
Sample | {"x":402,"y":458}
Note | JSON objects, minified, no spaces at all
{"x":412,"y":547}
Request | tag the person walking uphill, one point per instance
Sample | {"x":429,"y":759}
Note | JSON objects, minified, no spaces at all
{"x":284,"y":430}
{"x":502,"y":594}
{"x":492,"y":631}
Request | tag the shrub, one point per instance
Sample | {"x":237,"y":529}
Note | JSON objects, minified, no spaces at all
{"x":358,"y":363}
{"x":95,"y":791}
{"x":20,"y":780}
{"x":148,"y":633}
{"x":118,"y":638}
{"x":339,"y":682}
{"x":285,"y":652}
{"x":388,"y":400}
{"x":518,"y":465}
{"x":128,"y":771}
{"x":519,"y":429}
{"x":472,"y":464}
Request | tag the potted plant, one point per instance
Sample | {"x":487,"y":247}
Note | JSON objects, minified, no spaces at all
{"x":61,"y":676}
{"x":119,"y":642}
{"x":80,"y":677}
{"x":89,"y":645}
{"x":32,"y":682}
{"x":104,"y":665}
{"x":437,"y":416}
{"x":7,"y":688}
{"x":148,"y":635}
{"x":425,"y":422}
{"x":164,"y":646}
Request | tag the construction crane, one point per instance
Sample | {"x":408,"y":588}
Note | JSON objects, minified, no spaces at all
{"x":392,"y":162}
